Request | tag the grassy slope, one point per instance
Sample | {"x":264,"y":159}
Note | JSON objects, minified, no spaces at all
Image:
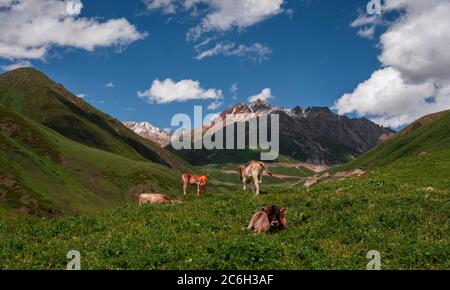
{"x":30,"y":93}
{"x":43,"y":173}
{"x":61,"y":156}
{"x":420,"y":153}
{"x":331,"y":225}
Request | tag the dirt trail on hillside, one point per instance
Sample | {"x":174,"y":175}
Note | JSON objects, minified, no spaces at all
{"x":312,"y":167}
{"x":279,"y":176}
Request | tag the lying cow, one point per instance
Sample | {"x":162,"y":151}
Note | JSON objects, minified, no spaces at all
{"x":270,"y":219}
{"x":147,"y":198}
{"x":254,"y":172}
{"x":191,"y":179}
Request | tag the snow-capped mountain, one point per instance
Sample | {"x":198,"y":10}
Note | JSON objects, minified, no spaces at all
{"x":150,"y":132}
{"x":314,"y":135}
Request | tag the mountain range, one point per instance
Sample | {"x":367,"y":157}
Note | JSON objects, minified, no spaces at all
{"x":313,"y":135}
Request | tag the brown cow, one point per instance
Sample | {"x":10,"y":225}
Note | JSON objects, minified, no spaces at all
{"x":147,"y":198}
{"x":191,"y":179}
{"x":271,"y":219}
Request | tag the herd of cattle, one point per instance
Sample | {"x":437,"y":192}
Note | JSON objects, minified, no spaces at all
{"x":269,"y":219}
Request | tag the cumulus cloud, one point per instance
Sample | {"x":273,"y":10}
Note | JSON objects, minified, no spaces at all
{"x":390,"y":98}
{"x":168,"y":91}
{"x":256,"y":52}
{"x":30,"y":28}
{"x":414,"y":79}
{"x":230,"y":14}
{"x":219,"y":15}
{"x":264,"y":96}
{"x":16,"y":65}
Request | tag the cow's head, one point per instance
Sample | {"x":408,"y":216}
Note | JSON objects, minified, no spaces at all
{"x":277,"y":217}
{"x":203,"y":180}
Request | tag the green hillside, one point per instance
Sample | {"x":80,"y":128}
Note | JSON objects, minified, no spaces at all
{"x":30,"y":93}
{"x":60,"y":156}
{"x":45,"y":174}
{"x":400,"y":208}
{"x":419,"y":154}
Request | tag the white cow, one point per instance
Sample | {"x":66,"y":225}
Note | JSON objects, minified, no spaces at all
{"x":146,"y":198}
{"x":254,"y":172}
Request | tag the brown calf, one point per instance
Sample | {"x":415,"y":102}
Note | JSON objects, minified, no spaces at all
{"x":271,"y":219}
{"x":191,"y":179}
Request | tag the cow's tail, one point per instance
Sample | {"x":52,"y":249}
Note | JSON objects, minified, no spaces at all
{"x":266,"y":169}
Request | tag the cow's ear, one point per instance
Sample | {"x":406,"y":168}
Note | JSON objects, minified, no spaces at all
{"x":284,"y":210}
{"x":264,"y":210}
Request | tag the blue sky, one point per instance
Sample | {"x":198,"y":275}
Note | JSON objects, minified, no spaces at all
{"x":316,"y":57}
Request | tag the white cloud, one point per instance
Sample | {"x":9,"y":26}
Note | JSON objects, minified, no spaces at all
{"x":215,"y":105}
{"x":256,"y":52}
{"x":264,"y":96}
{"x":16,"y":65}
{"x":367,"y":32}
{"x":220,"y":15}
{"x":166,"y":6}
{"x":168,"y":91}
{"x":389,"y":99}
{"x":367,"y":25}
{"x":365,"y":20}
{"x":30,"y":28}
{"x":234,"y":90}
{"x":290,"y":12}
{"x":415,"y":55}
{"x":110,"y":85}
{"x":418,"y":44}
{"x":81,"y":96}
{"x":239,"y":14}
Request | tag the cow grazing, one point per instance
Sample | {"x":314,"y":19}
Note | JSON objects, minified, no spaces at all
{"x":254,"y":172}
{"x":191,"y":179}
{"x":269,"y":219}
{"x":147,"y":198}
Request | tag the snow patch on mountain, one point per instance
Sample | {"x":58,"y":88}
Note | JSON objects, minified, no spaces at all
{"x":150,"y":132}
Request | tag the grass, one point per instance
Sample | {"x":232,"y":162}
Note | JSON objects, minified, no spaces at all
{"x":44,"y":174}
{"x":400,"y":208}
{"x":331,"y":226}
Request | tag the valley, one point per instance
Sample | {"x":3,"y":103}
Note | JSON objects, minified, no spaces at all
{"x":70,"y":176}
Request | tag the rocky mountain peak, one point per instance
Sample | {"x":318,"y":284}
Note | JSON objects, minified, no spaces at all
{"x":150,"y":132}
